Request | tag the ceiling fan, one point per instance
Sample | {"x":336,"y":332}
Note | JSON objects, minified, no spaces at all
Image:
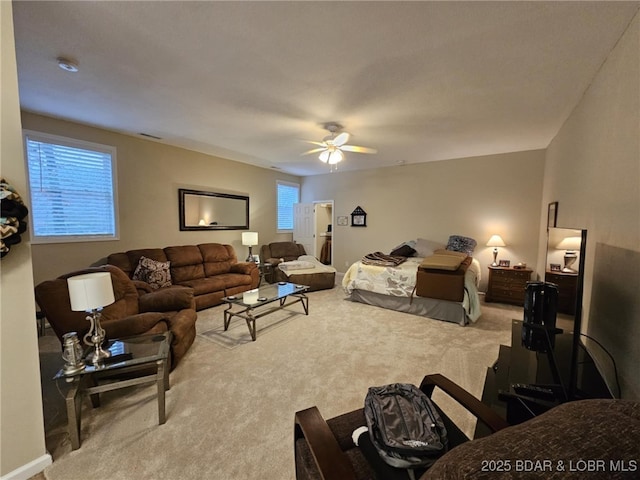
{"x":333,"y":145}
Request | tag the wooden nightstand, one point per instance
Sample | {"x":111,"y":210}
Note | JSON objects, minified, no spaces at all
{"x":507,"y":285}
{"x":567,"y":284}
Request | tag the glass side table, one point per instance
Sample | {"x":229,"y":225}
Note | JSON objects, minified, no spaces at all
{"x":139,"y":354}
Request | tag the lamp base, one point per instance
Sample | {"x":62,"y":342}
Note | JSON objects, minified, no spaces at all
{"x":250,"y":257}
{"x":95,"y":339}
{"x":495,"y":258}
{"x":98,"y":355}
{"x":569,"y":259}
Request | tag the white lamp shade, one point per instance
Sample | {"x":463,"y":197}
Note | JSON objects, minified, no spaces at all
{"x":89,"y":291}
{"x":324,"y":156}
{"x":335,"y":157}
{"x":249,"y":238}
{"x":496,"y":241}
{"x":569,"y":243}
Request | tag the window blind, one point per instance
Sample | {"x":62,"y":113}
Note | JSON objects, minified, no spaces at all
{"x":72,"y":190}
{"x":288,"y":194}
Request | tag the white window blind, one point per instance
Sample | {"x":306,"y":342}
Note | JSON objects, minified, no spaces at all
{"x":288,"y":194}
{"x":72,"y":189}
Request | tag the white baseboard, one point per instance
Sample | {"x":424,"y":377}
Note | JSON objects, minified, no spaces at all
{"x":30,"y":469}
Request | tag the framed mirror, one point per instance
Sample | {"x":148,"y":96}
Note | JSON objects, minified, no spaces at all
{"x":566,"y":250}
{"x":202,"y":210}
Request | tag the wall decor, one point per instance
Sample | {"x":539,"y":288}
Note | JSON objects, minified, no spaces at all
{"x":343,"y":220}
{"x":552,"y":214}
{"x":204,"y":210}
{"x":358,"y":217}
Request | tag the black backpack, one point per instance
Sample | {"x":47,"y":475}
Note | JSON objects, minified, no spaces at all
{"x":405,"y":428}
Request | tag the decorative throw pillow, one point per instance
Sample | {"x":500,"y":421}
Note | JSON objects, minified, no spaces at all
{"x":425,"y":248}
{"x":458,"y":243}
{"x":403,"y":251}
{"x":156,"y":274}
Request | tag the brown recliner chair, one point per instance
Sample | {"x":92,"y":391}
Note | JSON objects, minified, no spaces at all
{"x":132,"y":313}
{"x":277,"y":252}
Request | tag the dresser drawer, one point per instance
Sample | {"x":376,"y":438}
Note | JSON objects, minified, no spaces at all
{"x":507,"y":285}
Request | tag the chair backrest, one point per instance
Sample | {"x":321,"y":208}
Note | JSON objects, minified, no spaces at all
{"x":53,"y":298}
{"x":285,"y":250}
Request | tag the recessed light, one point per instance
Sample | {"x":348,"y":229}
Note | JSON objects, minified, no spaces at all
{"x":67,"y":65}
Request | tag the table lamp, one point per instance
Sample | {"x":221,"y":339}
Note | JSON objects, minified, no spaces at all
{"x":249,"y":239}
{"x":495,"y":241}
{"x":570,"y":244}
{"x":90,"y":292}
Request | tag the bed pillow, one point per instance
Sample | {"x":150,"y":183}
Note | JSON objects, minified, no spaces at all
{"x":458,"y":243}
{"x":403,"y":251}
{"x":156,"y":274}
{"x":424,"y":247}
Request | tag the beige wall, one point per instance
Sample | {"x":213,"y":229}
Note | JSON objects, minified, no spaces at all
{"x":22,"y":446}
{"x":476,"y":197}
{"x":593,"y":171}
{"x":149,"y":175}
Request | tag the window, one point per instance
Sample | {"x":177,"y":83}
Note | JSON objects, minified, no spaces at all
{"x":288,"y":194}
{"x":72,"y":189}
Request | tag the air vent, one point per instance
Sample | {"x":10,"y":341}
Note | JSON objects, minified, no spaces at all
{"x":148,"y":135}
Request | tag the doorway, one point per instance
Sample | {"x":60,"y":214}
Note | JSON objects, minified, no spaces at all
{"x":313,"y":228}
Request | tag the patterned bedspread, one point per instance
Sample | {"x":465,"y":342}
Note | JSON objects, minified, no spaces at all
{"x":399,"y":281}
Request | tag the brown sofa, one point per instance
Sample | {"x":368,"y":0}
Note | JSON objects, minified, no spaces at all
{"x":278,"y":252}
{"x":212,"y":270}
{"x":130,"y":314}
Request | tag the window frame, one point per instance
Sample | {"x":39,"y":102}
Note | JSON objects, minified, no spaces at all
{"x":79,"y":144}
{"x":288,"y":184}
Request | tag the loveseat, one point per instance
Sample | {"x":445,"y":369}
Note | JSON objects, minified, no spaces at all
{"x":278,"y":252}
{"x":212,"y":270}
{"x":130,"y":314}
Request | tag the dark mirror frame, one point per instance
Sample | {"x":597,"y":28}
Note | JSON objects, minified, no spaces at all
{"x":577,"y":320}
{"x":242,"y":224}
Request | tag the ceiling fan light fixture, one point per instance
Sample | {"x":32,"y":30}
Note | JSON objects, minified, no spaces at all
{"x":324,"y":156}
{"x":335,"y":157}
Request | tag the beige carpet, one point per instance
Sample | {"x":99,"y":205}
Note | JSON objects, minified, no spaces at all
{"x":230,"y":410}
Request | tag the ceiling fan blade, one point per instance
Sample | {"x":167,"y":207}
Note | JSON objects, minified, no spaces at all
{"x":314,"y":150}
{"x":355,"y":148}
{"x":341,"y":139}
{"x":322,"y":144}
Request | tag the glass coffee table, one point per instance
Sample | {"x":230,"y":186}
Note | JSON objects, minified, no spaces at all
{"x":276,"y":293}
{"x":146,"y":355}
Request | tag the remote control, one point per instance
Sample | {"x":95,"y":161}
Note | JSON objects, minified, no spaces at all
{"x":533,"y":391}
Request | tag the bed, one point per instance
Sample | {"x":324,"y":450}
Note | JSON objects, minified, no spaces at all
{"x":393,"y":288}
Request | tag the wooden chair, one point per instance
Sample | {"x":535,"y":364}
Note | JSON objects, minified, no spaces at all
{"x":325,"y":449}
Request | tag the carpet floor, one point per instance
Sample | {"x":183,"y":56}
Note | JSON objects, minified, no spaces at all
{"x":231,"y":403}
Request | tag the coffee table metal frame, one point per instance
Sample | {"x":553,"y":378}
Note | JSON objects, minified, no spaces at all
{"x":276,"y":292}
{"x":142,"y":358}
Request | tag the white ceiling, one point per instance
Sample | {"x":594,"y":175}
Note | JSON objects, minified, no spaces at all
{"x":250,"y":81}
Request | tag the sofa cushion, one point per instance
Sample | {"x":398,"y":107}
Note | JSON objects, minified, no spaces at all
{"x":202,"y":286}
{"x":186,"y":263}
{"x":156,"y":274}
{"x":217,"y":258}
{"x":286,"y":250}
